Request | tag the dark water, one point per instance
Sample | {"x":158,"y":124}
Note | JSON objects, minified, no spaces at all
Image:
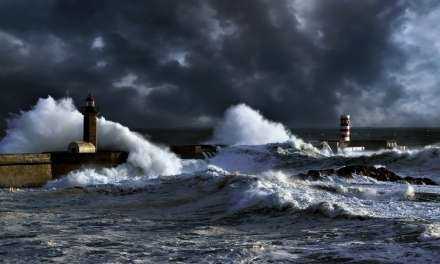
{"x":244,"y":206}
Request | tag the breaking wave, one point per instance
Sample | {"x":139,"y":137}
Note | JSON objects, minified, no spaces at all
{"x":242,"y":125}
{"x":256,"y":173}
{"x":254,"y":184}
{"x":277,"y":190}
{"x":51,"y":124}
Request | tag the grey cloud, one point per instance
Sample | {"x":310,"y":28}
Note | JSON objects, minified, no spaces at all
{"x":301,"y":62}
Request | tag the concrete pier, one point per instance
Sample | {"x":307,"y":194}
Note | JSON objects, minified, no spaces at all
{"x":346,"y":143}
{"x":360,"y":145}
{"x":195,"y":151}
{"x":25,"y":170}
{"x":35,"y":170}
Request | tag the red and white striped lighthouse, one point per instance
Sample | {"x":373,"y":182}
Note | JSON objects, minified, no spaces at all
{"x":344,"y":135}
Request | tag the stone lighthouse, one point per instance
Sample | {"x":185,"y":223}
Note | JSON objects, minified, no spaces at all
{"x":90,"y":129}
{"x":90,"y":113}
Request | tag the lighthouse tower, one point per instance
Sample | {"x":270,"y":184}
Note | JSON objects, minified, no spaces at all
{"x":344,"y":136}
{"x":90,"y":113}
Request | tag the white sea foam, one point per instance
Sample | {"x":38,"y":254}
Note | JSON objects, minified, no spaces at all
{"x":410,"y":193}
{"x":276,"y":190}
{"x":51,"y":124}
{"x":121,"y":175}
{"x":242,"y":125}
{"x":245,"y":159}
{"x":431,"y":232}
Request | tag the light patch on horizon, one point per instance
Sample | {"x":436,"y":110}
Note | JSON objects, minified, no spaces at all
{"x":98,"y":43}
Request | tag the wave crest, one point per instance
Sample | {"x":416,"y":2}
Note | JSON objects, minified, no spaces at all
{"x":51,"y":124}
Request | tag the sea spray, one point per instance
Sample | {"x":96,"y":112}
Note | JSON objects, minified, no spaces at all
{"x":242,"y":125}
{"x":51,"y":124}
{"x":275,"y":190}
{"x":152,"y":159}
{"x":48,"y":126}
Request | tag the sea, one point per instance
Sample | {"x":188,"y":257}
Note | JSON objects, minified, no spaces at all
{"x":244,"y":205}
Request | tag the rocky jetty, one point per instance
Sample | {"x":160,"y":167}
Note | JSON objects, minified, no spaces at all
{"x":380,"y":174}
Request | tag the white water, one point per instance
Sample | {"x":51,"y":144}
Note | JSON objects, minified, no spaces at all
{"x":275,"y":189}
{"x":254,"y":179}
{"x":431,"y":232}
{"x":243,"y":125}
{"x":29,"y":132}
{"x":51,"y":124}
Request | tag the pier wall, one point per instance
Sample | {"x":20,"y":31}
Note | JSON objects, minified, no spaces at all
{"x":25,"y":170}
{"x":65,"y":162}
{"x":195,"y":151}
{"x":35,"y":170}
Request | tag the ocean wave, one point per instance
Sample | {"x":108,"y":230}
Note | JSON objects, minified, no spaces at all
{"x":244,"y":126}
{"x":28,"y":132}
{"x":255,"y":174}
{"x":223,"y":194}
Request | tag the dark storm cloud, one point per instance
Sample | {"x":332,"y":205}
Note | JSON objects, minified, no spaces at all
{"x":182,"y":63}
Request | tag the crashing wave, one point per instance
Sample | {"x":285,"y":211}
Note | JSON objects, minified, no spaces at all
{"x":29,"y":132}
{"x":242,"y":125}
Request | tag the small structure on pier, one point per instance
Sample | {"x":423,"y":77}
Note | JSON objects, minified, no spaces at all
{"x":346,"y":143}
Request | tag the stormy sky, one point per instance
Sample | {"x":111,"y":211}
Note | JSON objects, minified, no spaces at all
{"x":161,"y":63}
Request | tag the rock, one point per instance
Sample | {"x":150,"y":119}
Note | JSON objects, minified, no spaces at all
{"x":380,"y":174}
{"x":316,"y":174}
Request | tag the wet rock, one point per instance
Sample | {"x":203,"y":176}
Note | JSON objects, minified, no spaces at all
{"x":380,"y":174}
{"x":315,"y":175}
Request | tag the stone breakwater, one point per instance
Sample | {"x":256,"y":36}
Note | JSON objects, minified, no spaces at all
{"x":35,"y":170}
{"x":380,"y":174}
